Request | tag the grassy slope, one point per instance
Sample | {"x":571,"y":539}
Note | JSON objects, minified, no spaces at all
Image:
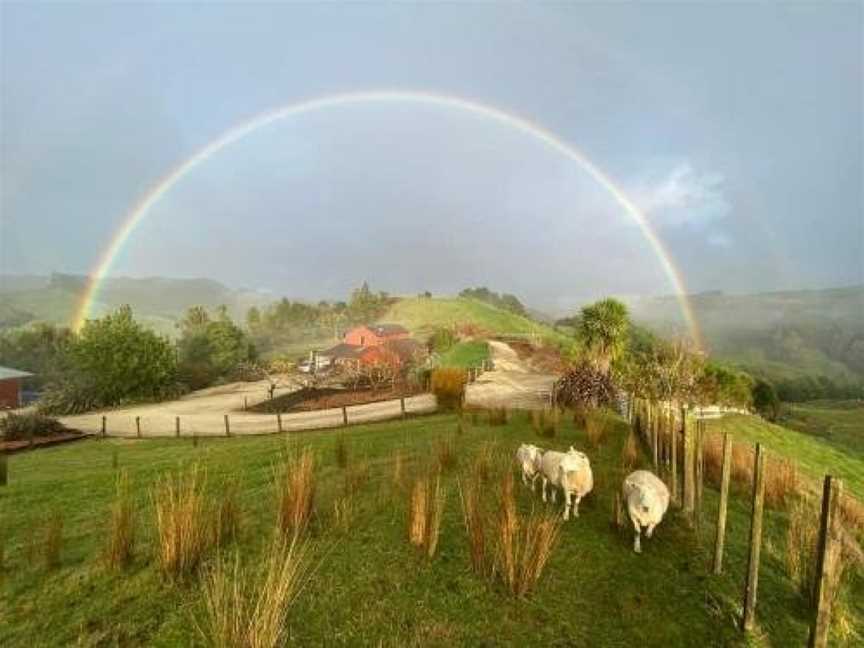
{"x":840,"y":423}
{"x":422,"y":315}
{"x":813,"y":455}
{"x":370,"y":587}
{"x":465,"y":354}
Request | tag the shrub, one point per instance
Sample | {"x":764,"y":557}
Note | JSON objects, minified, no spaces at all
{"x":15,"y":427}
{"x":584,"y":386}
{"x":247,"y":609}
{"x":425,"y":508}
{"x":442,"y":339}
{"x":448,"y":385}
{"x":121,"y":526}
{"x":181,"y":522}
{"x":296,"y":493}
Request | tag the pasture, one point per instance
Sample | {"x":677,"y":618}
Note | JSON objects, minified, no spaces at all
{"x":369,"y":585}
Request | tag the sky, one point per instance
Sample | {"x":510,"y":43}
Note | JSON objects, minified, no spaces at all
{"x":737,"y":130}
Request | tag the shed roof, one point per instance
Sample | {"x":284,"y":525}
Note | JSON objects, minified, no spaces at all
{"x":8,"y":374}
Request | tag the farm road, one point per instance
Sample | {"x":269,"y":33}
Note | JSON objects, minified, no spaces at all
{"x":202,"y":413}
{"x":513,"y":383}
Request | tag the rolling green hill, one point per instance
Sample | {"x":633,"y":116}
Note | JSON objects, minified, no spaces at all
{"x":421,"y":316}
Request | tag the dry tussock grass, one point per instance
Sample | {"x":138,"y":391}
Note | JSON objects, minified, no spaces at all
{"x":181,"y":522}
{"x":244,"y":609}
{"x":630,"y":452}
{"x":227,"y":514}
{"x":425,"y":508}
{"x":295,"y":489}
{"x":545,"y":422}
{"x":341,"y":451}
{"x":120,"y":542}
{"x":446,"y":454}
{"x":474,"y":516}
{"x":781,"y":482}
{"x":398,"y":476}
{"x":595,"y":428}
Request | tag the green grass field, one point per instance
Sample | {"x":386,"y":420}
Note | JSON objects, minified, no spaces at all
{"x":421,"y":315}
{"x":840,"y":423}
{"x":370,"y":586}
{"x":465,"y":354}
{"x":814,"y":456}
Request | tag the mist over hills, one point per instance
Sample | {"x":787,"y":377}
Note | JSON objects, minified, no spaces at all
{"x":787,"y":336}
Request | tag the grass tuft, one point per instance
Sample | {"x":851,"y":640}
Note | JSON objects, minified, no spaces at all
{"x":182,"y":527}
{"x":425,"y":508}
{"x":248,"y":609}
{"x":630,"y":452}
{"x":227,"y":514}
{"x":120,"y":542}
{"x":295,"y":488}
{"x":596,"y":428}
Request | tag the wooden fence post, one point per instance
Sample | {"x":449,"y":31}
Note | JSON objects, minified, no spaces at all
{"x":688,"y":469}
{"x":726,"y":472}
{"x":177,"y":426}
{"x":279,"y":421}
{"x":245,"y":403}
{"x":699,"y":466}
{"x":4,"y":468}
{"x":227,"y":427}
{"x":344,"y":415}
{"x":402,"y":406}
{"x":138,"y":426}
{"x":673,"y":459}
{"x":104,"y":426}
{"x":755,"y":541}
{"x":827,"y":557}
{"x":655,"y":439}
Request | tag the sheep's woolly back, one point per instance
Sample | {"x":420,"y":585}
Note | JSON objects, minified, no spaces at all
{"x":575,"y":474}
{"x":528,"y":457}
{"x":647,"y":497}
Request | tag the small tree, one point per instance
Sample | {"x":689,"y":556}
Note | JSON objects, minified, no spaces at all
{"x":604,"y":328}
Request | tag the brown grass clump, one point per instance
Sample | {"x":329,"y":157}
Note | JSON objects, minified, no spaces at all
{"x":250,"y":610}
{"x":446,"y":454}
{"x":52,"y":540}
{"x":356,"y":476}
{"x":448,"y":385}
{"x":852,"y":515}
{"x":295,"y":488}
{"x":742,"y":465}
{"x":781,"y":482}
{"x":341,"y":451}
{"x":398,"y":477}
{"x":580,"y":417}
{"x":425,"y":507}
{"x":182,"y":527}
{"x":801,"y":537}
{"x":498,"y":416}
{"x":545,"y":422}
{"x":595,"y":428}
{"x":228,"y":514}
{"x":475,"y":518}
{"x":344,"y":512}
{"x":523,"y":545}
{"x":121,"y":526}
{"x":630,"y":452}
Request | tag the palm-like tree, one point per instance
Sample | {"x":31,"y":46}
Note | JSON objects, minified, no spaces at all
{"x":604,"y":328}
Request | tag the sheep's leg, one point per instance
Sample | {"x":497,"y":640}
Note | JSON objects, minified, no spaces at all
{"x":637,"y":546}
{"x":649,"y":530}
{"x":534,"y":482}
{"x":576,"y":505}
{"x":524,"y":478}
{"x":554,"y":493}
{"x":545,"y":481}
{"x":566,"y":504}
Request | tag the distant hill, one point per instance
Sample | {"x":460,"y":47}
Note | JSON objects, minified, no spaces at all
{"x":784,"y":336}
{"x":158,"y":302}
{"x":422,"y":315}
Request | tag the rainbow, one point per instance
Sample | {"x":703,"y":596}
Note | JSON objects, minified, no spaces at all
{"x":165,"y":184}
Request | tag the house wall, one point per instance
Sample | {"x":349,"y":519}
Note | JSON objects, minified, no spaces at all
{"x":379,"y":355}
{"x":362,"y":336}
{"x":10,"y":393}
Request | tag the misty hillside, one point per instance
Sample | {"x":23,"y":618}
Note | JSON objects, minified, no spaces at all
{"x":781,"y":335}
{"x":157,"y":301}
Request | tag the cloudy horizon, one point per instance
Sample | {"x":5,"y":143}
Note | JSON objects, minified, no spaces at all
{"x":736,"y":130}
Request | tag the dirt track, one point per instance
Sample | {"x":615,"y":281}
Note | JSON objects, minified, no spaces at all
{"x":202,"y":413}
{"x":512,"y":384}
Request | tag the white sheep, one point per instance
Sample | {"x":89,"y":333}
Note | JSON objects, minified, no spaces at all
{"x":571,"y":472}
{"x":647,"y":501}
{"x":528,"y":459}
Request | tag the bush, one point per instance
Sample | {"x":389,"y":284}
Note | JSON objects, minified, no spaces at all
{"x":448,"y":385}
{"x":15,"y":427}
{"x":442,"y":340}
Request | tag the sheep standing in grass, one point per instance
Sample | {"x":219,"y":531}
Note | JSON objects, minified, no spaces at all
{"x":647,"y":501}
{"x":528,"y":458}
{"x":571,"y":472}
